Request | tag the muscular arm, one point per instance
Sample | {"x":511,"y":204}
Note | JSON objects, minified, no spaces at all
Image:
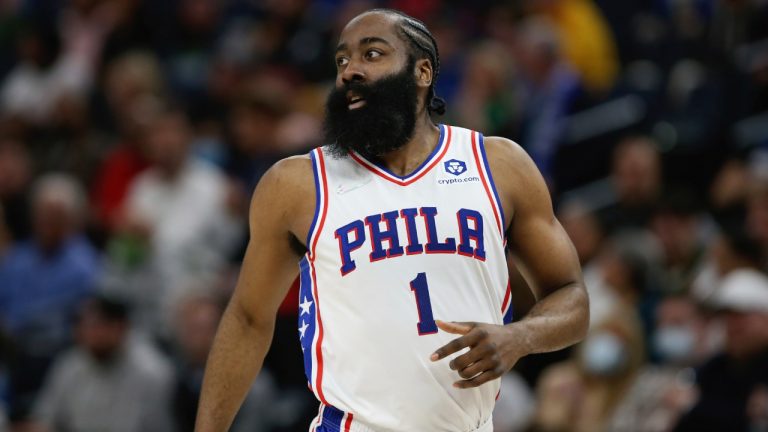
{"x":542,"y":250}
{"x":547,"y":260}
{"x":521,"y":292}
{"x":281,"y":209}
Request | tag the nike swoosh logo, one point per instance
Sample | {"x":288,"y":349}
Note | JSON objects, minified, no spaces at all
{"x":345,"y":188}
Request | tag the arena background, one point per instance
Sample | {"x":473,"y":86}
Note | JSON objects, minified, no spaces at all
{"x":132,"y":134}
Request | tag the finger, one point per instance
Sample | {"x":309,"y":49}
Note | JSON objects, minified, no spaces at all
{"x":475,"y":354}
{"x":454,"y":327}
{"x":477,"y":368}
{"x":451,"y":347}
{"x":479,"y":380}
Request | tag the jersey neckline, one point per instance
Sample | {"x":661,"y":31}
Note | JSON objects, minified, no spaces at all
{"x":438,"y":152}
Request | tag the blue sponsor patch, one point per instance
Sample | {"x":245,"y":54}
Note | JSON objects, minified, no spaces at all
{"x":455,"y":167}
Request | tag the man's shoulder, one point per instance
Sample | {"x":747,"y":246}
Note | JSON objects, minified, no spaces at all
{"x":289,"y":172}
{"x":146,"y":362}
{"x":505,"y":151}
{"x":512,"y":166}
{"x":21,"y":253}
{"x":70,"y":366}
{"x":516,"y":177}
{"x":81,"y":254}
{"x":501,"y":153}
{"x":293,"y":165}
{"x":287,"y":186}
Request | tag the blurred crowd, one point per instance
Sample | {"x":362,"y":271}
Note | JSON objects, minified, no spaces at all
{"x":133,"y":132}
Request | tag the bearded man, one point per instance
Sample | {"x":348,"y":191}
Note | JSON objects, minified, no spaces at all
{"x":401,"y":228}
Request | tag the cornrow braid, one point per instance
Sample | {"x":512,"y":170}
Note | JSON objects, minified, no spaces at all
{"x":421,"y":40}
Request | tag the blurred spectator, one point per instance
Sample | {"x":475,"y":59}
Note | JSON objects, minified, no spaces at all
{"x":83,"y":27}
{"x":757,"y":201}
{"x":188,"y":55}
{"x":548,"y":91}
{"x":70,"y":143}
{"x":110,"y":381}
{"x":42,"y":281}
{"x":636,"y":175}
{"x":676,"y":225}
{"x":583,"y":393}
{"x":254,"y":124}
{"x":731,"y":249}
{"x":38,"y":79}
{"x":451,"y":41}
{"x":136,"y":25}
{"x":15,"y":176}
{"x":691,"y":111}
{"x":730,"y":185}
{"x":728,"y":381}
{"x":587,"y":236}
{"x":196,"y":320}
{"x":178,"y":210}
{"x":134,"y":88}
{"x":630,"y":265}
{"x":586,"y":40}
{"x":515,"y":406}
{"x":294,"y":34}
{"x":487,"y":99}
{"x":661,"y":393}
{"x":735,"y":249}
{"x":55,"y":62}
{"x":194,"y":329}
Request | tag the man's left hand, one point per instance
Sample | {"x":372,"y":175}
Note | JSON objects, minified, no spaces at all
{"x":493,"y":350}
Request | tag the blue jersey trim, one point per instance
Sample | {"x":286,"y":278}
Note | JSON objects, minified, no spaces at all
{"x":305,"y":291}
{"x":316,"y":174}
{"x":436,"y":151}
{"x":487,"y":167}
{"x":509,"y":314}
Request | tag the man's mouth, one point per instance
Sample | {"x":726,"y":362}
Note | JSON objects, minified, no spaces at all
{"x":355,"y":101}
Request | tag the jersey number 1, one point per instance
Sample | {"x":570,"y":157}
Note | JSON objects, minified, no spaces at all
{"x":420,"y":290}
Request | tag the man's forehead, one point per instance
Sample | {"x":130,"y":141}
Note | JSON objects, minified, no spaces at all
{"x":376,"y":25}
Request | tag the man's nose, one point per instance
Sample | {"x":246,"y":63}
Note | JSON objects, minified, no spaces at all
{"x":352,"y":73}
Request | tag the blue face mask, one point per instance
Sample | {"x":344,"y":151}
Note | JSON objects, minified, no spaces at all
{"x":674,"y":344}
{"x":604,"y":354}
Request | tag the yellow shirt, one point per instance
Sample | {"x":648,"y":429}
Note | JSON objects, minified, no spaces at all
{"x":586,"y":42}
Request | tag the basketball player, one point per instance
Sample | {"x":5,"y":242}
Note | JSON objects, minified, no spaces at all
{"x":399,"y":226}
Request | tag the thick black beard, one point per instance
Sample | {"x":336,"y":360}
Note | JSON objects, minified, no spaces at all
{"x":385,"y":123}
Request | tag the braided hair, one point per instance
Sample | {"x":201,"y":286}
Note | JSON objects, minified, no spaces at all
{"x":416,"y":34}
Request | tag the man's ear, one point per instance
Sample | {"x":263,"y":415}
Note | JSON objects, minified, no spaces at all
{"x":423,"y":73}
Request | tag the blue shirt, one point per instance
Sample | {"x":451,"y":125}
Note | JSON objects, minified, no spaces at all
{"x":40,"y":293}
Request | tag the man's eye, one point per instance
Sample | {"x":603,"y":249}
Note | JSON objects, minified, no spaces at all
{"x":372,"y":54}
{"x":341,"y":61}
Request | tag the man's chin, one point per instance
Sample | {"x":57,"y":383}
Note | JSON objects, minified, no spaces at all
{"x":367,"y":133}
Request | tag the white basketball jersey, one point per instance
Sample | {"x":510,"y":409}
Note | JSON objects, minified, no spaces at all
{"x":388,"y":255}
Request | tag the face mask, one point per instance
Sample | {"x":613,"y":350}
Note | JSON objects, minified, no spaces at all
{"x":604,"y":354}
{"x":674,"y":343}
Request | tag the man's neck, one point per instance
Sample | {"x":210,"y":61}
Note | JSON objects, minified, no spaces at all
{"x":407,"y":158}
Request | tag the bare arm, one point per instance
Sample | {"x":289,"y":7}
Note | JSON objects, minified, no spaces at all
{"x":524,"y":299}
{"x":281,"y":209}
{"x":545,"y":257}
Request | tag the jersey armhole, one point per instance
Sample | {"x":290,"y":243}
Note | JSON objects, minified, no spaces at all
{"x":489,"y":184}
{"x":321,"y":199}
